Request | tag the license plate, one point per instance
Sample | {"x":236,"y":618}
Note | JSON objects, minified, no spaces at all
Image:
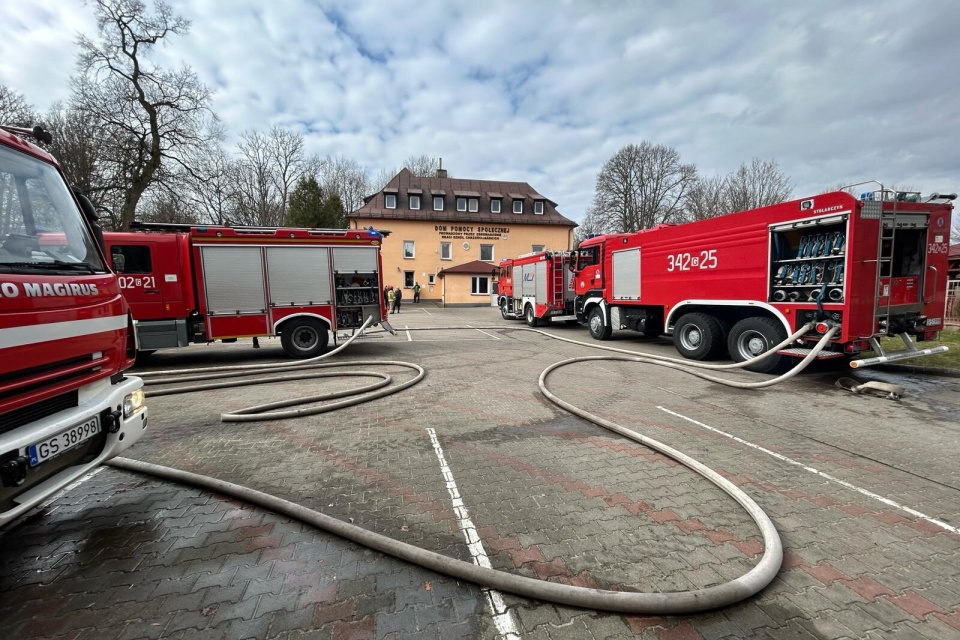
{"x":64,"y":441}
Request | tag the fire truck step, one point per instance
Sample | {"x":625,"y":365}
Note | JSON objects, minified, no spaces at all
{"x":802,"y":353}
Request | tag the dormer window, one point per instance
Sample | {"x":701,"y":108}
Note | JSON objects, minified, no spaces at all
{"x":390,"y":200}
{"x":518,"y":206}
{"x":473,"y":204}
{"x":495,"y":205}
{"x":415,"y":203}
{"x":461,"y":204}
{"x":538,"y":207}
{"x":438,"y":203}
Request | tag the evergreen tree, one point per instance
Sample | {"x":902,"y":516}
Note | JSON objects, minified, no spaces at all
{"x":307,"y":205}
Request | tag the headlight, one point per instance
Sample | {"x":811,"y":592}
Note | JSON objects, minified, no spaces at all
{"x":132,"y":403}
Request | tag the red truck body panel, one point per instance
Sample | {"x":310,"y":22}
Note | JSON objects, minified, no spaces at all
{"x":236,"y":282}
{"x":735,"y":264}
{"x":537,"y":286}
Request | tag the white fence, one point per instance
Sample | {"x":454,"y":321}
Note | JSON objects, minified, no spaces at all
{"x":953,"y":302}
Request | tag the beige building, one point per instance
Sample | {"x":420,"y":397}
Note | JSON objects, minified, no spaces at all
{"x":449,"y":234}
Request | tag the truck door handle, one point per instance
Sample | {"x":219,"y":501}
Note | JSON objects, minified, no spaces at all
{"x":151,"y":290}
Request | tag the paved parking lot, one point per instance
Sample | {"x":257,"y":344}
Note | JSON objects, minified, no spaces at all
{"x":865,"y":493}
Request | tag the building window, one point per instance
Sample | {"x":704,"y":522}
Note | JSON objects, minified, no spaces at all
{"x":415,"y":202}
{"x":495,"y":205}
{"x":518,"y":206}
{"x":480,"y":285}
{"x":486,"y":252}
{"x":391,"y":201}
{"x":432,"y":279}
{"x":538,"y":207}
{"x":461,"y":204}
{"x":446,"y":251}
{"x":409,"y":249}
{"x":474,"y":204}
{"x":438,"y":203}
{"x":537,"y":248}
{"x":408,"y":279}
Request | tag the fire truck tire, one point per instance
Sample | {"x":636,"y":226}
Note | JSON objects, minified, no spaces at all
{"x":752,"y":336}
{"x":599,"y":327}
{"x":532,"y":319}
{"x":304,"y":337}
{"x":698,"y":336}
{"x":503,"y":310}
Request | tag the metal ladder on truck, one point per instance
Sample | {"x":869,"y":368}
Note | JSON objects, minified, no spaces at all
{"x":559,"y":286}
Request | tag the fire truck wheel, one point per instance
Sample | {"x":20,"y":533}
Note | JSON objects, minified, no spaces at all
{"x":503,"y":310}
{"x":304,"y":337}
{"x":698,"y":336}
{"x":599,"y":329}
{"x":532,"y":319}
{"x":752,"y":336}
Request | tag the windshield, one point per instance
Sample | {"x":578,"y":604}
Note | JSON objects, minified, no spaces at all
{"x":40,"y":224}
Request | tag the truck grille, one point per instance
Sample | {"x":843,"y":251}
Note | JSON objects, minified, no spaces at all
{"x":38,"y":411}
{"x":21,"y":391}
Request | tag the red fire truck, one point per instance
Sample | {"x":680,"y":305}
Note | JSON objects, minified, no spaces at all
{"x":66,"y":335}
{"x":536,"y":287}
{"x":741,"y":283}
{"x":199,"y":283}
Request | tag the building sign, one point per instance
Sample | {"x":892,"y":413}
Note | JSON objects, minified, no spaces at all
{"x":471,"y":232}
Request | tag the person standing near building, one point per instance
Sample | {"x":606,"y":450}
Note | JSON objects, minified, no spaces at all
{"x":390,"y":295}
{"x":397,"y":297}
{"x":416,"y":292}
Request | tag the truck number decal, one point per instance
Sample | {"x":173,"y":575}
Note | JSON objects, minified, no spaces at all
{"x":938,"y":247}
{"x":706,"y":259}
{"x":130,"y":282}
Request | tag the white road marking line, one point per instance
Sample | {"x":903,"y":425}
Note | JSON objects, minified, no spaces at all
{"x":485,"y":333}
{"x":827,"y":476}
{"x":502,"y":617}
{"x":409,"y":335}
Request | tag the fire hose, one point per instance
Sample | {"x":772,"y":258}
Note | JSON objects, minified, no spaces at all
{"x":659,"y":603}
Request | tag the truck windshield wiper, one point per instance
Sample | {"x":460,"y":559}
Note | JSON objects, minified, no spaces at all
{"x":55,"y":265}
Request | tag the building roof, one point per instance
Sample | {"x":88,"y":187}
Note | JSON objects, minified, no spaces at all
{"x":954,"y":251}
{"x":405,"y":184}
{"x":471,"y":268}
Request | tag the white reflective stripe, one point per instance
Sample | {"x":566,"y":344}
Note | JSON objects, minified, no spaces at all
{"x":33,"y":334}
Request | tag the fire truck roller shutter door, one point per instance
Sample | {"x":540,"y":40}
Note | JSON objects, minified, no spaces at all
{"x":698,"y":336}
{"x":752,"y":336}
{"x":234,"y":279}
{"x":299,"y":275}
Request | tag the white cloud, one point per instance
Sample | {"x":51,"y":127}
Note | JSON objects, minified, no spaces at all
{"x":545,"y":92}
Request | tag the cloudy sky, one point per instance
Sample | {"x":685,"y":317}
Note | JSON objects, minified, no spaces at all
{"x":546,"y":91}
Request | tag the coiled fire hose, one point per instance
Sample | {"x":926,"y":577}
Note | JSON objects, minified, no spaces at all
{"x":659,"y":603}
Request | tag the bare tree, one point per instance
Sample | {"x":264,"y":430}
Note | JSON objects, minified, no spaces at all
{"x":706,"y":199}
{"x":211,"y":185}
{"x":590,"y":225}
{"x":167,"y":206}
{"x":345,"y":178}
{"x":152,"y":117}
{"x":14,"y":108}
{"x":641,"y":186}
{"x":758,"y":185}
{"x":422,"y":166}
{"x":269,"y":166}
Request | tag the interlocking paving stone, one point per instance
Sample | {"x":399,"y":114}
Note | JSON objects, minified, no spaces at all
{"x":125,"y":556}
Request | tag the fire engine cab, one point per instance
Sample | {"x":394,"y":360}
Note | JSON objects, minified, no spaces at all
{"x":66,"y":336}
{"x":739,"y":284}
{"x":198,"y":283}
